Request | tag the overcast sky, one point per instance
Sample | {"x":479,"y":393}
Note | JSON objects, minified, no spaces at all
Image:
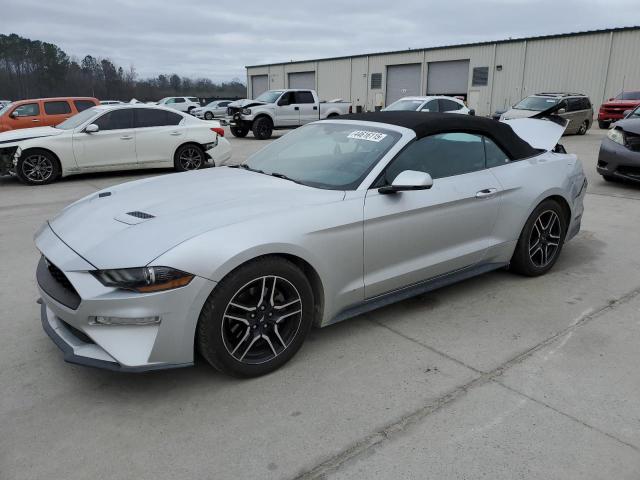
{"x":216,"y":39}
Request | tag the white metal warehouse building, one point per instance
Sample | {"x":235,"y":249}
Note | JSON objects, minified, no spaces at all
{"x":491,"y":75}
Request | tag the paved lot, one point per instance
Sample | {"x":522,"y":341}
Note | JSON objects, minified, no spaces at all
{"x":499,"y":377}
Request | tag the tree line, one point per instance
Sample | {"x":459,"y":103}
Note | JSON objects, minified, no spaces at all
{"x":33,"y":69}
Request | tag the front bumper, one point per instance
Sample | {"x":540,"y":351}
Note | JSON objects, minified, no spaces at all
{"x":618,"y":161}
{"x":129,"y":348}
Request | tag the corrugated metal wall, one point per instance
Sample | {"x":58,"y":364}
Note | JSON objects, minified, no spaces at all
{"x":598,"y":64}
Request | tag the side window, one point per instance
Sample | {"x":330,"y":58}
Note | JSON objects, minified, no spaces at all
{"x":304,"y":97}
{"x":27,"y":110}
{"x":574,"y":104}
{"x":286,"y":99}
{"x":194,"y":100}
{"x":82,"y":105}
{"x":494,"y":154}
{"x":116,"y":120}
{"x":150,"y":117}
{"x":442,"y":155}
{"x":57,"y":108}
{"x":448,"y":105}
{"x":430,"y":106}
{"x":223,"y":104}
{"x":171,"y":100}
{"x":179,"y":100}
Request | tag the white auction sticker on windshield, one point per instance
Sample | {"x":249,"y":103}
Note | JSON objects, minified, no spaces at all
{"x":365,"y":135}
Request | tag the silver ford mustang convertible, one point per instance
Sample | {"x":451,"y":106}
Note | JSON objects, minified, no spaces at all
{"x":332,"y":220}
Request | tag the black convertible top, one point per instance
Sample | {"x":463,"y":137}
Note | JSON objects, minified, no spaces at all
{"x":427,"y":123}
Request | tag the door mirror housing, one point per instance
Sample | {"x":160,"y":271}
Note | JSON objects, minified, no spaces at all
{"x":92,"y":128}
{"x":408,"y":180}
{"x":561,"y":111}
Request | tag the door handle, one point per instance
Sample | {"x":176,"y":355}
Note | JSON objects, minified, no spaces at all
{"x":487,"y":193}
{"x":176,"y":134}
{"x":35,"y":120}
{"x":296,"y":108}
{"x":126,"y":137}
{"x":315,"y":108}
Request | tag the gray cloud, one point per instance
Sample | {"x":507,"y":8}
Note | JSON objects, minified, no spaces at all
{"x":216,"y":39}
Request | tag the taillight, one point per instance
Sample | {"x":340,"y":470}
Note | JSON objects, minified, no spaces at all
{"x":218,"y":130}
{"x":350,"y":108}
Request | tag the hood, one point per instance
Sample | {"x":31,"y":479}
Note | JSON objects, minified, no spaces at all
{"x":621,"y":103}
{"x":173,"y":208}
{"x":631,"y":125}
{"x":13,"y":136}
{"x":542,"y":134}
{"x":245,"y":103}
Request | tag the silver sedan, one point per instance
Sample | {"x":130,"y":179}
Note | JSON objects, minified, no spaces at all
{"x":332,"y":220}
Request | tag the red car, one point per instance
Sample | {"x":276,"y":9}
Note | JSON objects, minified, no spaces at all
{"x":614,"y":109}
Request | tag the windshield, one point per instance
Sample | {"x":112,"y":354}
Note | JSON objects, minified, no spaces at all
{"x":78,"y":119}
{"x":332,"y":156}
{"x":213,"y":104}
{"x":405,"y":105}
{"x":4,"y":109}
{"x":628,"y":96}
{"x":635,"y":113}
{"x":269,"y":96}
{"x":537,"y":104}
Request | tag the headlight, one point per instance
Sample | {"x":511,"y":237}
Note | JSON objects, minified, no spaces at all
{"x":143,"y":279}
{"x":246,"y":111}
{"x":616,"y":135}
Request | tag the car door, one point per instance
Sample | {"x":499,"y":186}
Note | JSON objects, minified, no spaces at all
{"x":430,"y":106}
{"x":417,"y":235}
{"x":114,"y":144}
{"x":56,"y":111}
{"x":221,"y":109}
{"x":307,"y":105}
{"x":287,"y":113}
{"x":26,"y":115}
{"x":158,"y":135}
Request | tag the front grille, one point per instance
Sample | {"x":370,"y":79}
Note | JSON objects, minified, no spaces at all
{"x":77,"y":333}
{"x":232,"y":110}
{"x":142,"y":215}
{"x":59,"y":277}
{"x":633,"y":141}
{"x":56,"y":284}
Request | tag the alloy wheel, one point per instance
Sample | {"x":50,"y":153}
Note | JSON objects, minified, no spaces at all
{"x":37,"y":168}
{"x":262,"y":319}
{"x":583,"y":128}
{"x":190,"y":158}
{"x":544,"y":241}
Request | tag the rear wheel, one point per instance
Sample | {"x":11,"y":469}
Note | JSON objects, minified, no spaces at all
{"x":257,"y":318}
{"x":239,"y":132}
{"x":208,"y":115}
{"x":262,"y":128}
{"x":603,"y":125}
{"x":541,"y":240}
{"x":189,"y":157}
{"x":37,"y":167}
{"x":583,"y":128}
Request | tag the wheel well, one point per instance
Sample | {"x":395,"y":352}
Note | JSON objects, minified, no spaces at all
{"x":566,"y":209}
{"x":263,"y":115}
{"x":331,"y":115}
{"x":195,"y":144}
{"x":55,"y":157}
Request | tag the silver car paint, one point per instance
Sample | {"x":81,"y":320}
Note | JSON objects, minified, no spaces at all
{"x":229,"y":216}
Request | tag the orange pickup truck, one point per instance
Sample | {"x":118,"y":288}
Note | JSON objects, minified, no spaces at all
{"x":42,"y":112}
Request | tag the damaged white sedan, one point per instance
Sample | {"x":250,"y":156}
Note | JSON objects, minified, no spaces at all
{"x":109,"y":138}
{"x":332,"y":220}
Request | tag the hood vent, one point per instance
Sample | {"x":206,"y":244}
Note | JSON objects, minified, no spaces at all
{"x":141,"y":215}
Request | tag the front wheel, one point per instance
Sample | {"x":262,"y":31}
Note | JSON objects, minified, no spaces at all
{"x":541,"y":240}
{"x":37,"y":167}
{"x":583,"y":128}
{"x":257,"y":318}
{"x":239,"y":132}
{"x":189,"y":157}
{"x":208,"y":116}
{"x":262,"y":128}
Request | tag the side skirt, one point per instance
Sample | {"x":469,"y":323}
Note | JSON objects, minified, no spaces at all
{"x":414,"y":290}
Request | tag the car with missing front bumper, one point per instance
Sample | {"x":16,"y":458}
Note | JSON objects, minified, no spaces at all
{"x":619,"y":156}
{"x":330,"y":221}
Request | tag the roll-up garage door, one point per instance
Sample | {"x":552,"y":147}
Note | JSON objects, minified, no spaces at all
{"x":448,"y":78}
{"x":402,"y":81}
{"x":259,"y":84}
{"x":302,"y":80}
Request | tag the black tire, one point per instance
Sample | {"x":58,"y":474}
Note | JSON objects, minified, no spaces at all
{"x":189,"y":110}
{"x":603,"y":125}
{"x":234,"y":344}
{"x":583,"y":128}
{"x":38,"y":167}
{"x":538,"y":248}
{"x":239,"y":132}
{"x":189,"y":157}
{"x":262,"y":128}
{"x":609,"y":178}
{"x":208,"y":116}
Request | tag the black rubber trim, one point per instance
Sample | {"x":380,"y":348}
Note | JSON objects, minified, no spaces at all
{"x":68,"y":298}
{"x":71,"y":357}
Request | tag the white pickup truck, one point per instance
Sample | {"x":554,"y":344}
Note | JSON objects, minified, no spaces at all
{"x":279,"y":109}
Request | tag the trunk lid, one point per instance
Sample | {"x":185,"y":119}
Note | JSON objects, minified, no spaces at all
{"x":539,"y":133}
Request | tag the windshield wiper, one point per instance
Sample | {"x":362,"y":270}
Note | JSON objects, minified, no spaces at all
{"x":285,"y":177}
{"x":247,"y":167}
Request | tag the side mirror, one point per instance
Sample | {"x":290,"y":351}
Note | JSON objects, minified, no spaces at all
{"x":92,"y":128}
{"x":408,"y":180}
{"x":626,"y":113}
{"x":13,"y":114}
{"x":472,"y":112}
{"x":561,"y":111}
